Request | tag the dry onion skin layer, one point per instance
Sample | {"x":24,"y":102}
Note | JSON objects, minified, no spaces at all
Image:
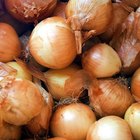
{"x":30,"y":10}
{"x":135,"y":85}
{"x":20,"y":102}
{"x":101,"y":61}
{"x":52,"y":43}
{"x":109,"y":128}
{"x":72,"y":121}
{"x":110,"y":97}
{"x":56,"y":138}
{"x":10,"y":46}
{"x":132,"y":116}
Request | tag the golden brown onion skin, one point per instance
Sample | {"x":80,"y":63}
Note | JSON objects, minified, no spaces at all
{"x":52,"y":43}
{"x":20,"y":102}
{"x":30,"y":10}
{"x":91,"y":14}
{"x":10,"y":46}
{"x":56,"y":138}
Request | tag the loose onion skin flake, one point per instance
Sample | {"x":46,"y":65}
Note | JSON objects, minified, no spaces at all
{"x":72,"y":121}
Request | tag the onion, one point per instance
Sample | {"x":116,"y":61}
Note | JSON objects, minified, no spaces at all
{"x":135,"y":85}
{"x":52,"y":43}
{"x":60,"y":9}
{"x":30,"y":11}
{"x":101,"y":61}
{"x":22,"y":70}
{"x":126,"y":43}
{"x":133,"y":3}
{"x":120,"y":13}
{"x":132,"y":116}
{"x":56,"y":138}
{"x":109,"y":128}
{"x":88,"y":15}
{"x":56,"y":80}
{"x":110,"y":97}
{"x":72,"y":121}
{"x":9,"y":44}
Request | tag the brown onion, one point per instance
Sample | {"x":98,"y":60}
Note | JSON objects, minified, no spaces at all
{"x":30,"y":10}
{"x":52,"y":43}
{"x":135,"y":85}
{"x":132,"y":3}
{"x":88,"y":15}
{"x":132,"y":116}
{"x":72,"y":121}
{"x":101,"y":61}
{"x":56,"y":80}
{"x":109,"y":128}
{"x":9,"y":44}
{"x":126,"y":43}
{"x":110,"y":97}
{"x":56,"y":138}
{"x":120,"y":13}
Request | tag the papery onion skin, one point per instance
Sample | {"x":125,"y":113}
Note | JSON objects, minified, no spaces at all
{"x":110,"y":97}
{"x":20,"y":102}
{"x":133,"y":3}
{"x":91,"y":14}
{"x":132,"y":116}
{"x":101,"y":61}
{"x":56,"y":138}
{"x":30,"y":11}
{"x":56,"y":80}
{"x":109,"y":128}
{"x":72,"y":121}
{"x":135,"y":85}
{"x":52,"y":43}
{"x":10,"y":46}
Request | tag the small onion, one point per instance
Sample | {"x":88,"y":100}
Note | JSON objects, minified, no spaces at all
{"x":135,"y":85}
{"x":30,"y":10}
{"x":101,"y":61}
{"x":72,"y":121}
{"x":110,"y":97}
{"x":109,"y":128}
{"x":132,"y":116}
{"x":56,"y":80}
{"x":52,"y":43}
{"x":9,"y":44}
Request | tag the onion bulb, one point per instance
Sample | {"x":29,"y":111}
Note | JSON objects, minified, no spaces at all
{"x":126,"y":43}
{"x":56,"y":80}
{"x":52,"y":43}
{"x":72,"y":121}
{"x":132,"y":3}
{"x":109,"y":128}
{"x":135,"y":85}
{"x":110,"y":97}
{"x":101,"y":61}
{"x":56,"y":138}
{"x":132,"y":116}
{"x":88,"y":15}
{"x":30,"y":10}
{"x":10,"y":46}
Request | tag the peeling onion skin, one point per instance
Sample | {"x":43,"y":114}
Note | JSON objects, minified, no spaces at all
{"x":20,"y":102}
{"x":132,"y":116}
{"x":10,"y":46}
{"x":30,"y":10}
{"x":109,"y":128}
{"x":64,"y":121}
{"x":52,"y":43}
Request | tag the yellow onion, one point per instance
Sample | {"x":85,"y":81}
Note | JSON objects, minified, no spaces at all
{"x":109,"y":128}
{"x":56,"y":138}
{"x":110,"y":97}
{"x":101,"y":61}
{"x":72,"y":121}
{"x":120,"y":13}
{"x":60,"y":9}
{"x":52,"y":43}
{"x":126,"y":43}
{"x":132,"y":116}
{"x":30,"y":10}
{"x":135,"y":85}
{"x":88,"y":15}
{"x":22,"y":70}
{"x":56,"y":80}
{"x":9,"y":44}
{"x":132,"y":3}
